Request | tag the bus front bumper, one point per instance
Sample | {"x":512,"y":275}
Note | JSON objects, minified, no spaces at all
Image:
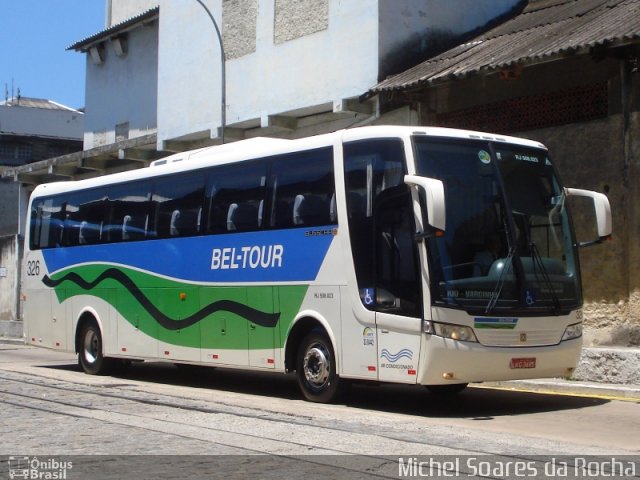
{"x":445,"y":361}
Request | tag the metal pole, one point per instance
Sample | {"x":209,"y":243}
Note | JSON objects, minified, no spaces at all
{"x":223,"y":100}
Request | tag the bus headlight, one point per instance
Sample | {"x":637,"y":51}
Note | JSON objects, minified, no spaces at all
{"x":454,"y":332}
{"x":572,"y":331}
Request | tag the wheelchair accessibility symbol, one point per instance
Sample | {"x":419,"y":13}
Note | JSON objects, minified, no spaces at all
{"x":367,"y":295}
{"x":530,"y":297}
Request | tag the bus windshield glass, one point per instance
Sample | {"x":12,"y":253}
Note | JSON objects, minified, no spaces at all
{"x":508,"y":243}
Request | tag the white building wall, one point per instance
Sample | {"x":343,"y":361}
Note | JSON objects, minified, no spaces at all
{"x":188,"y":69}
{"x":283,"y":56}
{"x":310,"y":70}
{"x":123,"y":89}
{"x":117,"y":11}
{"x":43,"y":122}
{"x":278,"y":75}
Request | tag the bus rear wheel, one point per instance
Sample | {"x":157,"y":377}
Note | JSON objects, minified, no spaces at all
{"x":316,"y":369}
{"x":90,"y":355}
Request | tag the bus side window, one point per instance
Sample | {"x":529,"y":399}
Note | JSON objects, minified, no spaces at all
{"x":174,"y":229}
{"x":54,"y":217}
{"x":302,"y":187}
{"x":35,"y":226}
{"x":235,"y":197}
{"x":311,"y":210}
{"x":176,"y":204}
{"x":127,"y":212}
{"x":242,"y":217}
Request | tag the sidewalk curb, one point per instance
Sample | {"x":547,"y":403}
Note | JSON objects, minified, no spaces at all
{"x":570,"y":387}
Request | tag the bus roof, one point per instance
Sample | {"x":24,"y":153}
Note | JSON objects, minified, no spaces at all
{"x":265,"y":147}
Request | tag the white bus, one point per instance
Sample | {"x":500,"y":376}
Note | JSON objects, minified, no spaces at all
{"x":413,"y":255}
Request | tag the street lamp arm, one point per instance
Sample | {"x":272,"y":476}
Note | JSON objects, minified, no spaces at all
{"x":223,"y":100}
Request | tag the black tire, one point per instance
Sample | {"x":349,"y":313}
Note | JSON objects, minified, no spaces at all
{"x":90,"y":356}
{"x":316,"y":369}
{"x":446,"y":390}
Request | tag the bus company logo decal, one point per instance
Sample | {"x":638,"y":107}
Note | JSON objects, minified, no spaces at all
{"x":394,"y":357}
{"x":253,"y":315}
{"x":495,"y":322}
{"x":256,"y":256}
{"x":288,"y":255}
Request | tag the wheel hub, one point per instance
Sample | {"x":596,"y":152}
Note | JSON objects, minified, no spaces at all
{"x":316,"y":365}
{"x":91,"y":346}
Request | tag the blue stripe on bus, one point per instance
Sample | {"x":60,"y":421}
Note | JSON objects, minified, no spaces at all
{"x":267,"y":256}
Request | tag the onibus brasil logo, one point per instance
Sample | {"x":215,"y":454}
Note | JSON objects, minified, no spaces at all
{"x":35,"y":468}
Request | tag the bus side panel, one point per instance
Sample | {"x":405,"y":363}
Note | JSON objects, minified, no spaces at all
{"x":37,"y":317}
{"x":36,"y":300}
{"x":399,"y":339}
{"x":261,"y":337}
{"x":358,"y":353}
{"x":179,"y":343}
{"x":133,"y":323}
{"x":46,"y":321}
{"x":224,"y":335}
{"x":98,"y":306}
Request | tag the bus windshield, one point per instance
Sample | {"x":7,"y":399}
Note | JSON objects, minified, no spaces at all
{"x":508,"y":244}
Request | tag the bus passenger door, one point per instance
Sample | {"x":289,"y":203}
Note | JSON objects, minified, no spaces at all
{"x":397,"y":287}
{"x":261,"y":332}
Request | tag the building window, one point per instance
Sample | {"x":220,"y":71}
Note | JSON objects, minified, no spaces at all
{"x":122,"y":131}
{"x":15,"y":153}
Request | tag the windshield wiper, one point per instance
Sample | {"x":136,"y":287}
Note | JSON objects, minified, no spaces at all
{"x":497,"y":291}
{"x":539,"y":263}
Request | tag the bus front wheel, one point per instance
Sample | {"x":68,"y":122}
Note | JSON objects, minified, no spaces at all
{"x":316,"y":369}
{"x":90,"y":355}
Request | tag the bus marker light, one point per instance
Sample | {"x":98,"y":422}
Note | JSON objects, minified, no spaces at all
{"x":371,"y":368}
{"x":411,"y":372}
{"x":270,"y":361}
{"x":448,"y":375}
{"x":57,"y":344}
{"x":214,"y":356}
{"x":183,"y":296}
{"x":123,"y":349}
{"x":166,"y":352}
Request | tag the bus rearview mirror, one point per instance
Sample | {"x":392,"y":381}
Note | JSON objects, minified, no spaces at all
{"x":433,"y":190}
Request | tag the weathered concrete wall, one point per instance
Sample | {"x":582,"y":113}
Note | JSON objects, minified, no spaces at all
{"x":297,"y":18}
{"x":239,"y":20}
{"x":9,"y":207}
{"x":602,"y":154}
{"x":592,"y":156}
{"x":9,"y":278}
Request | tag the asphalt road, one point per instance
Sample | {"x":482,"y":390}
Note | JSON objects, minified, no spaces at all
{"x":211,"y":423}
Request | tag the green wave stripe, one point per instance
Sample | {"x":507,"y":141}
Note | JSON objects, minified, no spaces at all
{"x":178,"y":300}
